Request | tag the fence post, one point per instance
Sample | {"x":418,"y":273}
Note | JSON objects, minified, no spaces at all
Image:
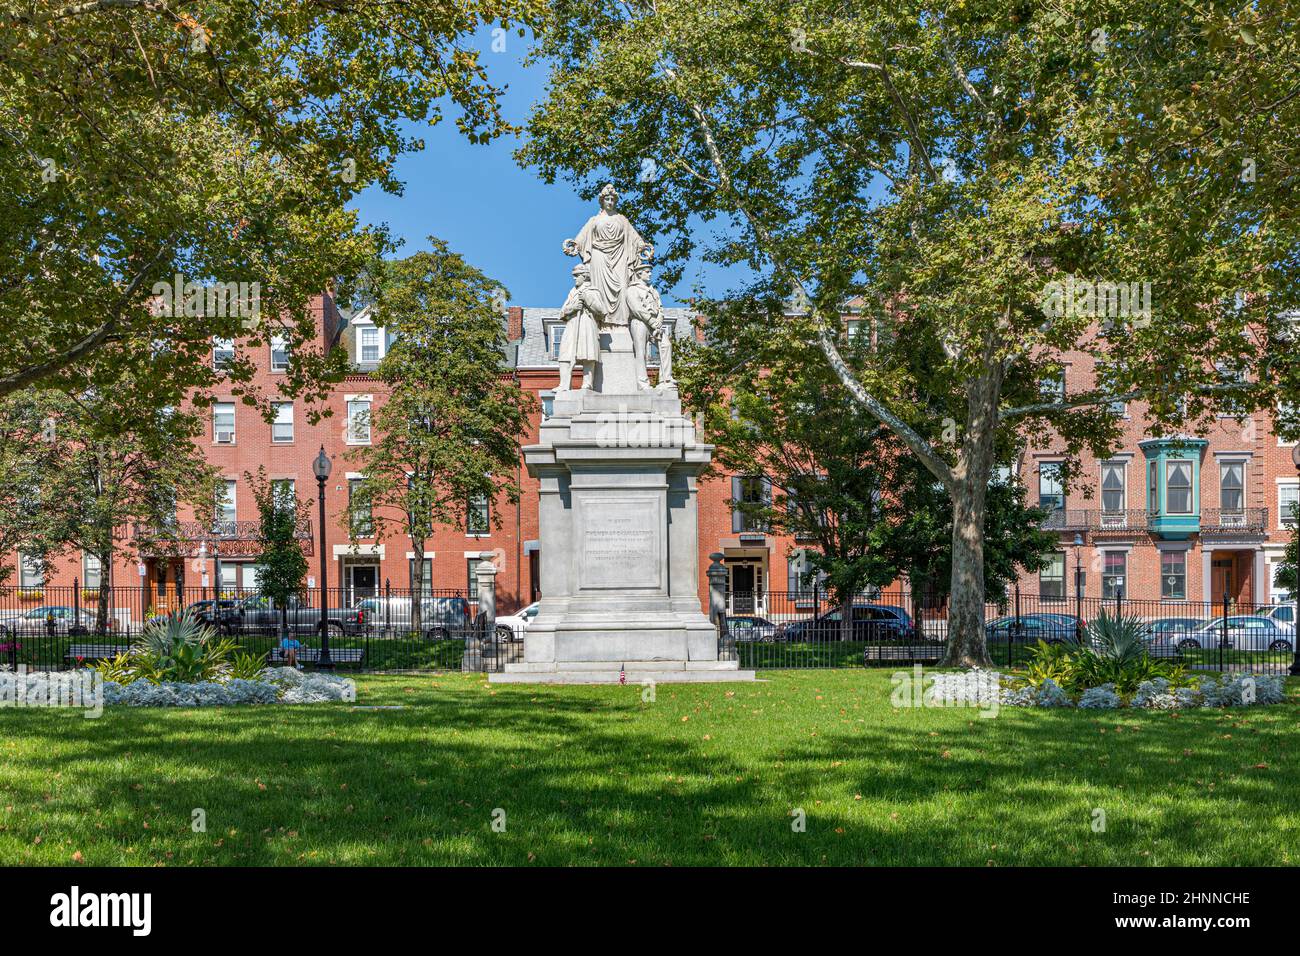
{"x":1223,"y":640}
{"x":1119,"y":596}
{"x":486,"y":575}
{"x":1011,"y":644}
{"x":388,"y":602}
{"x":76,"y":604}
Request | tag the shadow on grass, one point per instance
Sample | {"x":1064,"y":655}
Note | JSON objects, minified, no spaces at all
{"x":589,"y":775}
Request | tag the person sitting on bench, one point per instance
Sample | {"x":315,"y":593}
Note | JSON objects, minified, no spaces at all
{"x":290,"y":645}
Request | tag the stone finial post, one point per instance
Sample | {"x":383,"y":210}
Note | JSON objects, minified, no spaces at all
{"x":485,"y":626}
{"x":717,"y":587}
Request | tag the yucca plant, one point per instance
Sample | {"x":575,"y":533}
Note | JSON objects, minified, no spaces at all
{"x":247,"y":666}
{"x":1117,"y":654}
{"x":181,"y":648}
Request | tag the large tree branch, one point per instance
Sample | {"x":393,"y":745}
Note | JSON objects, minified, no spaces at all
{"x":1089,"y":399}
{"x":825,"y":335}
{"x":56,"y":363}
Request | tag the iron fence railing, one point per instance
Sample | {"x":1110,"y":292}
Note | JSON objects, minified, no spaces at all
{"x":56,"y":628}
{"x":800,"y":629}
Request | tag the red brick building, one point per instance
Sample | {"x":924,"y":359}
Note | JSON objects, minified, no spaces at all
{"x":1168,"y":517}
{"x":1185,"y":519}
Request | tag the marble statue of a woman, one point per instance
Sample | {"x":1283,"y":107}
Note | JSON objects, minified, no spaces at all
{"x":610,"y":246}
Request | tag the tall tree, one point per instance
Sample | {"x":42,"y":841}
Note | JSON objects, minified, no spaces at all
{"x":841,"y":482}
{"x":220,"y":142}
{"x":447,"y":433}
{"x":943,"y":165}
{"x":23,"y":461}
{"x":281,"y":565}
{"x":115,"y":471}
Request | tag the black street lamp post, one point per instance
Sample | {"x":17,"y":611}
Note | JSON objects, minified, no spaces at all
{"x":1295,"y":626}
{"x":1078,"y":587}
{"x":321,"y":468}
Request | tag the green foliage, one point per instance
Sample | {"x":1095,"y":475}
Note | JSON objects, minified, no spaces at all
{"x":1114,"y":654}
{"x":448,"y":431}
{"x":229,"y":146}
{"x":179,"y":648}
{"x":118,"y":670}
{"x":92,"y":464}
{"x":246,"y":666}
{"x":281,"y":564}
{"x":1286,"y":574}
{"x":936,"y":171}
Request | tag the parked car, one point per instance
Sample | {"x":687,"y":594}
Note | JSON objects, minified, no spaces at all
{"x":258,"y":613}
{"x":1244,"y":632}
{"x":1283,"y":614}
{"x":512,"y":626}
{"x":1171,"y":630}
{"x":1051,"y":628}
{"x":46,"y":618}
{"x":869,"y":622}
{"x":750,"y":627}
{"x":441,"y":618}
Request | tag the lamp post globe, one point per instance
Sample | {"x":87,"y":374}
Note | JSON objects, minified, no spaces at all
{"x":321,"y":467}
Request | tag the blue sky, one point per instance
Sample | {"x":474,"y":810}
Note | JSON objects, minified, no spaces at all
{"x":501,"y":218}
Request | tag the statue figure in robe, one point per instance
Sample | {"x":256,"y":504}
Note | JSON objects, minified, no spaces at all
{"x":609,"y":246}
{"x":646,"y":313}
{"x":580,"y":343}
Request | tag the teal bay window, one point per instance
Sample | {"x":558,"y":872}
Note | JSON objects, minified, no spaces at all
{"x":1173,"y":485}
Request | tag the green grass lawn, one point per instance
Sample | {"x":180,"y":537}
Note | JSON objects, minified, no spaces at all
{"x":705,"y":774}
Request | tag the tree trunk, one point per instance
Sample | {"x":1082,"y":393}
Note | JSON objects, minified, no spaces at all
{"x":105,"y":591}
{"x":966,"y":646}
{"x":417,"y":586}
{"x":969,"y":491}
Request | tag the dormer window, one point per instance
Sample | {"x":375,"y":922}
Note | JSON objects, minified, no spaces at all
{"x":554,"y":333}
{"x":370,"y":344}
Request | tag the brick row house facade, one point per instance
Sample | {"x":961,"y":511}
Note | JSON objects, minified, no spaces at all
{"x":1181,"y":517}
{"x":1172,"y":517}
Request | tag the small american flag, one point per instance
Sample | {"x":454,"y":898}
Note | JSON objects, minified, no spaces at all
{"x":622,"y":675}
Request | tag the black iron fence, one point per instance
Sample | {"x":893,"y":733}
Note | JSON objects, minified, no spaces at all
{"x":381,"y":629}
{"x":800,"y":629}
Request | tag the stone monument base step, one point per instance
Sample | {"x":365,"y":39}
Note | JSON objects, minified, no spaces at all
{"x":630,"y":672}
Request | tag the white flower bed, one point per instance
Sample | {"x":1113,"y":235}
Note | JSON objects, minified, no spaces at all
{"x":1240,"y":690}
{"x":277,"y":685}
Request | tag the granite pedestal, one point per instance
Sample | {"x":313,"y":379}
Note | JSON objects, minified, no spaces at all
{"x":617,"y":469}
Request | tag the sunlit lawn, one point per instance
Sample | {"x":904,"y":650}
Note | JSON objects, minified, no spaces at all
{"x":704,"y":774}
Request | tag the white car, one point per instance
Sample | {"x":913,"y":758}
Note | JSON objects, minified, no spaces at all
{"x":1245,"y":632}
{"x":512,"y":626}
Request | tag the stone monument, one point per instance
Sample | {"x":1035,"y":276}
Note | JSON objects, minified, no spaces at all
{"x":617,"y":463}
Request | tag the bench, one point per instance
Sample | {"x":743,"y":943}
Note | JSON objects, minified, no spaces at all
{"x":94,"y":652}
{"x":911,"y":652}
{"x":311,"y":655}
{"x":1164,"y":650}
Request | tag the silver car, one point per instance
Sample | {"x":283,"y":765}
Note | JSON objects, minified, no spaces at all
{"x":46,"y":619}
{"x":1244,"y":632}
{"x":440,"y":617}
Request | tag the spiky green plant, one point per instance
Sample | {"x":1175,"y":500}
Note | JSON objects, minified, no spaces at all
{"x":180,"y":647}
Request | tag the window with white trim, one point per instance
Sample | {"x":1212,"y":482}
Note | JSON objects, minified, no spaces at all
{"x":359,"y":422}
{"x":1113,"y":573}
{"x":1178,"y":487}
{"x":1173,"y":575}
{"x":554,"y":332}
{"x":226,"y":507}
{"x":370,"y":343}
{"x":279,"y":353}
{"x":92,"y":571}
{"x":1232,"y":487}
{"x":1051,"y":490}
{"x":282,"y":426}
{"x":1114,"y":490}
{"x":1051,"y":580}
{"x":1288,"y":497}
{"x":478,"y":519}
{"x":223,"y":353}
{"x":31,"y":574}
{"x":223,"y":423}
